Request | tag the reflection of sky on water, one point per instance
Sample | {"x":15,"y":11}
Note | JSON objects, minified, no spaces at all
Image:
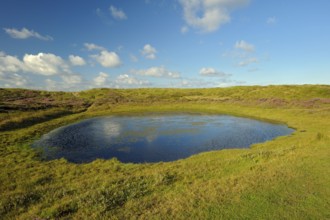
{"x":110,"y":129}
{"x":154,"y":138}
{"x":151,"y":137}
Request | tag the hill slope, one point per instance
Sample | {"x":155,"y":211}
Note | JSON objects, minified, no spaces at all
{"x":282,"y":179}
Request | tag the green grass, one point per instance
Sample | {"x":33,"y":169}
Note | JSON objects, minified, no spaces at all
{"x":287,"y":178}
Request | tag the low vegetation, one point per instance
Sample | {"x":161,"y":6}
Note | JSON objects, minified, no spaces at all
{"x":287,"y":178}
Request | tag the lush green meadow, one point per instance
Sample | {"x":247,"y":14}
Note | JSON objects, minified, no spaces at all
{"x":287,"y":178}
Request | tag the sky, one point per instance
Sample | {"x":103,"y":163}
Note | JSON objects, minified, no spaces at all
{"x":73,"y":45}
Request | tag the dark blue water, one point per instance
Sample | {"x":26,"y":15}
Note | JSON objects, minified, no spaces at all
{"x":141,"y":139}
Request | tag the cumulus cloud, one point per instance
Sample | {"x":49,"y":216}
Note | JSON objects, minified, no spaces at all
{"x":101,"y":79}
{"x":160,"y":71}
{"x":45,"y":64}
{"x":117,"y":13}
{"x":104,"y":57}
{"x":209,"y":71}
{"x":248,"y":61}
{"x":10,"y":63}
{"x":25,"y":33}
{"x":91,"y":46}
{"x":76,"y":60}
{"x":15,"y":72}
{"x":125,"y":80}
{"x":209,"y":15}
{"x":107,"y":59}
{"x":12,"y":80}
{"x":149,"y":52}
{"x":243,"y":45}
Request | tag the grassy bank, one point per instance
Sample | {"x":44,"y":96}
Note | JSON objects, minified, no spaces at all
{"x":286,"y":178}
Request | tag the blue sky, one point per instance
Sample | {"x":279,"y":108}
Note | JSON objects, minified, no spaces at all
{"x":76,"y":45}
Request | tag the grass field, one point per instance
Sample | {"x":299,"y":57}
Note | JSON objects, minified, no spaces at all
{"x":287,"y":178}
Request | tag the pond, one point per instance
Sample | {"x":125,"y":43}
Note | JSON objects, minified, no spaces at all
{"x":154,"y":138}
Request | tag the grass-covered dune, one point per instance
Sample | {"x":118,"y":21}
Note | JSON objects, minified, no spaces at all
{"x":287,"y":178}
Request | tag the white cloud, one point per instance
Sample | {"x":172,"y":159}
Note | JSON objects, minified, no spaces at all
{"x":209,"y":71}
{"x":117,"y":13}
{"x":242,"y":54}
{"x":101,"y":79}
{"x":12,"y":80}
{"x":184,"y":29}
{"x":243,"y":45}
{"x":9,"y":68}
{"x":195,"y":83}
{"x":228,"y":83}
{"x":71,"y":78}
{"x":209,"y":15}
{"x":45,"y":64}
{"x":76,"y":60}
{"x":248,"y":61}
{"x":125,"y":80}
{"x":25,"y":33}
{"x":149,"y":52}
{"x":271,"y":20}
{"x":10,"y":63}
{"x":91,"y":46}
{"x":107,"y":59}
{"x":160,"y":71}
{"x":15,"y":72}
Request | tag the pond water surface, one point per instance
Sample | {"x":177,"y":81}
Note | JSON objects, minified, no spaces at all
{"x":154,"y":138}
